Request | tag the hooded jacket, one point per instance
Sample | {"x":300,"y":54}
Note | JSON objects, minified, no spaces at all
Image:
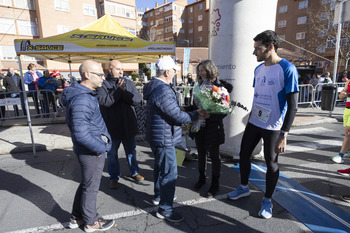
{"x":163,"y":115}
{"x":88,"y":130}
{"x":117,"y":107}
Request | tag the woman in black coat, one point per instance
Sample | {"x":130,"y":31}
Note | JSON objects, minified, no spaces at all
{"x":211,"y":135}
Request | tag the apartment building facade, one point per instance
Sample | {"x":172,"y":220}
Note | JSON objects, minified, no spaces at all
{"x":186,"y":24}
{"x":308,"y":28}
{"x":32,"y":19}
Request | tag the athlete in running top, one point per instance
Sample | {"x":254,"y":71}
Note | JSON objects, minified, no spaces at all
{"x":273,"y":111}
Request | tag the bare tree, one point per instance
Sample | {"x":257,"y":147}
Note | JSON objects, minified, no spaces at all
{"x":322,"y":32}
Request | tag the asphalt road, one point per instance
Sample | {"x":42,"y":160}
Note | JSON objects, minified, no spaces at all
{"x":36,"y":194}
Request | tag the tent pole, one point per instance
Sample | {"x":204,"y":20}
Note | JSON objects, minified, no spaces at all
{"x":26,"y":104}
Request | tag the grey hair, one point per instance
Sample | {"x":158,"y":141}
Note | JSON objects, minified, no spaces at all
{"x":160,"y":72}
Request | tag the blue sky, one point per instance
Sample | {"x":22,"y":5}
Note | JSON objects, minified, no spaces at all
{"x":152,"y":3}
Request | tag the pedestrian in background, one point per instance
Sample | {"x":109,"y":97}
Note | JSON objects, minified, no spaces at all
{"x":117,"y":98}
{"x":47,"y":86}
{"x":273,"y":111}
{"x":91,"y":141}
{"x":163,"y":132}
{"x":344,"y":94}
{"x":2,"y":95}
{"x":31,"y":78}
{"x":13,"y":84}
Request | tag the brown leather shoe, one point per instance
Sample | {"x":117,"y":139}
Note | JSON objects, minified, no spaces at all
{"x":114,"y":184}
{"x":138,"y":177}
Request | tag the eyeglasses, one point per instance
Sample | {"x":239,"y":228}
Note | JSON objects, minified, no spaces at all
{"x":101,"y":75}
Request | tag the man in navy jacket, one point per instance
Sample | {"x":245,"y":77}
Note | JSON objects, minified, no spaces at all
{"x":163,"y":131}
{"x":91,"y":141}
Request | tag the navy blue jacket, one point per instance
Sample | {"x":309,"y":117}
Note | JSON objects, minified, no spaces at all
{"x":85,"y":121}
{"x":163,"y":115}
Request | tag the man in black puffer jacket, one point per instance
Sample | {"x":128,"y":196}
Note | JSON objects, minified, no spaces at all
{"x":163,"y":131}
{"x":91,"y":141}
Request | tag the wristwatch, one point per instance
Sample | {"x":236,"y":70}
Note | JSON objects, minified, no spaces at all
{"x":282,"y":134}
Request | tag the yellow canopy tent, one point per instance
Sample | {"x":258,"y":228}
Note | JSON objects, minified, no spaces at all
{"x":102,"y":40}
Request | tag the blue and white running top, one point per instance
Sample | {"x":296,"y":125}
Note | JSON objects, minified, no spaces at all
{"x":271,"y":84}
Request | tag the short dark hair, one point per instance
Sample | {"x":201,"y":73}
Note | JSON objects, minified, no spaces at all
{"x":268,"y":37}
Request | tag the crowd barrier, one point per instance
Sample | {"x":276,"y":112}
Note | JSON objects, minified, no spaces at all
{"x":41,"y":103}
{"x":46,"y":103}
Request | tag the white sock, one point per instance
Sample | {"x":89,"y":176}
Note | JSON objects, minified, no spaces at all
{"x":244,"y":186}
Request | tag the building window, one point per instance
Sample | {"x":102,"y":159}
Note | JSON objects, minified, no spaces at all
{"x":200,"y":6}
{"x":190,"y":21}
{"x":174,"y":28}
{"x":325,"y":1}
{"x":152,"y":22}
{"x":303,"y":4}
{"x":300,"y":35}
{"x":282,"y":37}
{"x":25,"y":4}
{"x":62,"y":29}
{"x":181,"y":20}
{"x":282,"y":23}
{"x":330,"y":43}
{"x":121,"y":10}
{"x":182,"y":30}
{"x":301,"y":20}
{"x":131,"y":30}
{"x":200,"y":28}
{"x":27,"y":28}
{"x":200,"y":39}
{"x":190,"y":10}
{"x":324,"y":16}
{"x":322,"y":33}
{"x":5,"y":3}
{"x":321,"y":49}
{"x":346,"y":24}
{"x":62,"y":5}
{"x":200,"y":17}
{"x":191,"y":41}
{"x":7,"y":26}
{"x":151,"y":14}
{"x":283,"y":9}
{"x":89,"y":9}
{"x":7,"y":53}
{"x":190,"y":31}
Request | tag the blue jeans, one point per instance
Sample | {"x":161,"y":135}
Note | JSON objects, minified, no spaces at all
{"x":84,"y":206}
{"x":165,"y":175}
{"x":113,"y":161}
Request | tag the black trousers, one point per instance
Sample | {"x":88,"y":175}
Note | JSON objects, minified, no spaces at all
{"x":203,"y":150}
{"x":251,"y":138}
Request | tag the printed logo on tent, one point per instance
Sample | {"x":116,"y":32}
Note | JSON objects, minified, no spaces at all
{"x":26,"y":46}
{"x":101,"y":37}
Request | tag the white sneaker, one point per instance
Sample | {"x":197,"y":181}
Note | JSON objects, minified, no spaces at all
{"x":337,"y":159}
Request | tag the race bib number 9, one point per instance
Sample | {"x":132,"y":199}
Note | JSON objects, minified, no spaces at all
{"x":261,"y":113}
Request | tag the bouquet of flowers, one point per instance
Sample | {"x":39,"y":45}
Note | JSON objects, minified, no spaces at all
{"x":212,"y":99}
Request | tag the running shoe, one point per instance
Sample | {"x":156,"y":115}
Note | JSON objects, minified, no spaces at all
{"x":337,"y":159}
{"x":266,"y":209}
{"x":345,"y":172}
{"x":238,"y":193}
{"x":346,"y":198}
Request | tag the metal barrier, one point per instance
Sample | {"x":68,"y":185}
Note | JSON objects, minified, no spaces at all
{"x":41,"y":103}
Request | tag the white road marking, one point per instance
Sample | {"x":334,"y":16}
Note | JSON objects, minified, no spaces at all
{"x":61,"y":226}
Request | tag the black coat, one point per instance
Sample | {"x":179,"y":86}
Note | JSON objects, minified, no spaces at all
{"x":10,"y":84}
{"x":213,"y":131}
{"x":117,"y":107}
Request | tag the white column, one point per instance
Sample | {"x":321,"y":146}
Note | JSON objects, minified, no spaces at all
{"x":233,"y":25}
